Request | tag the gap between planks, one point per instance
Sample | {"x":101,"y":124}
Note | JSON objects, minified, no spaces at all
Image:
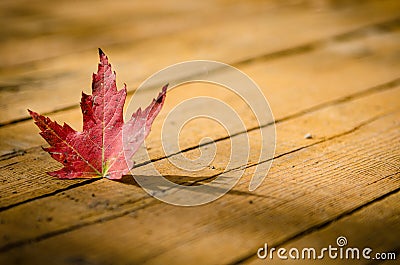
{"x":22,"y":134}
{"x":362,"y":227}
{"x":42,"y":181}
{"x":366,"y":132}
{"x":380,"y":80}
{"x":122,"y":22}
{"x":320,"y":226}
{"x":345,"y":200}
{"x":151,"y":200}
{"x":387,"y":86}
{"x":318,"y":25}
{"x":382,"y":27}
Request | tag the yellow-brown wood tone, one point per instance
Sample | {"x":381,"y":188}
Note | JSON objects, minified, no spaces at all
{"x":329,"y":68}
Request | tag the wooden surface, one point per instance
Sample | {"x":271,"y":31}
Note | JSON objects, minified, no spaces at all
{"x":329,"y":68}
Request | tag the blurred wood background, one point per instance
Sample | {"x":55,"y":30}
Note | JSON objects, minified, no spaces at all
{"x":329,"y":68}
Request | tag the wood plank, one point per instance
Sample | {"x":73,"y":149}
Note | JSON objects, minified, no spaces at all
{"x":374,"y":226}
{"x":338,"y":68}
{"x":58,"y":82}
{"x":19,"y":188}
{"x":348,"y":171}
{"x":33,"y":181}
{"x":281,"y":81}
{"x":351,"y":161}
{"x":25,"y":39}
{"x":113,"y":199}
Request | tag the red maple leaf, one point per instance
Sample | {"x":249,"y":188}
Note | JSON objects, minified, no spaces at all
{"x":106,"y":145}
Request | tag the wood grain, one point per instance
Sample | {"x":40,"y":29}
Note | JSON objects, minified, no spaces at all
{"x":59,"y":81}
{"x":329,"y":69}
{"x":286,"y":77}
{"x":374,"y":225}
{"x":280,"y":80}
{"x":120,"y":198}
{"x":104,"y":24}
{"x":352,"y":170}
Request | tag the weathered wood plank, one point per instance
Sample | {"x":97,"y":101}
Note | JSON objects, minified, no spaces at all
{"x":26,"y":168}
{"x":348,"y":171}
{"x":112,"y":199}
{"x":58,"y":82}
{"x":280,"y":80}
{"x":297,"y":200}
{"x":336,"y":81}
{"x":104,"y":23}
{"x":375,"y":226}
{"x":351,"y":160}
{"x":24,"y":175}
{"x":308,"y":189}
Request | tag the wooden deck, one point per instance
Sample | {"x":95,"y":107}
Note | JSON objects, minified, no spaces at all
{"x":329,"y":68}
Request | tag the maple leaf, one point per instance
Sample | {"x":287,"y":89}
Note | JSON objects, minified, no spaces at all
{"x":106,"y":145}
